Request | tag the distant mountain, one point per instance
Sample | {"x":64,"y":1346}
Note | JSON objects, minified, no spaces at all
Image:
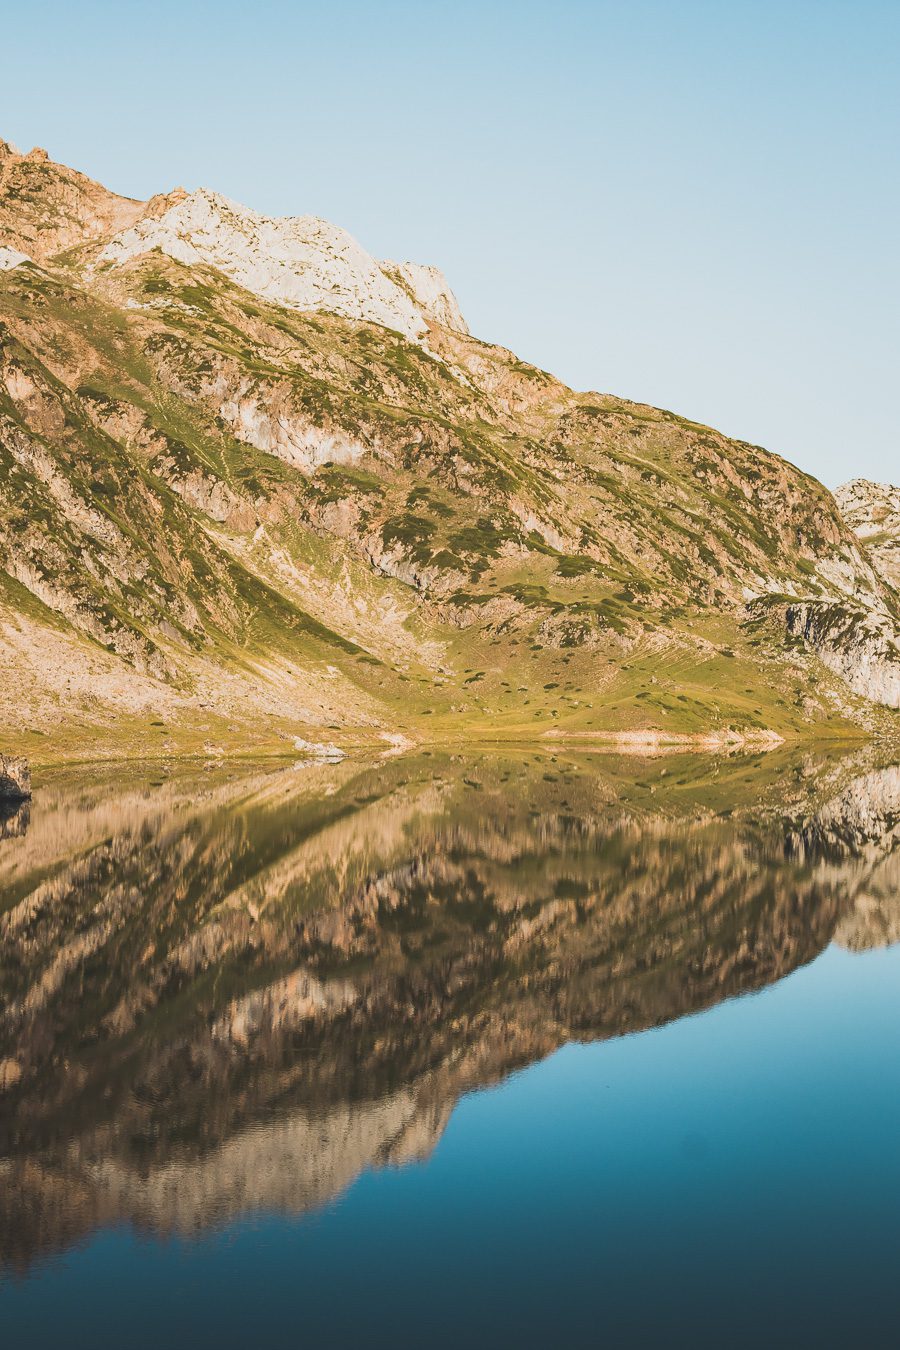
{"x":256,"y":485}
{"x":872,"y":510}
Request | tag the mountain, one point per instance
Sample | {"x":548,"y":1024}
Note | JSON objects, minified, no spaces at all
{"x":257,"y":486}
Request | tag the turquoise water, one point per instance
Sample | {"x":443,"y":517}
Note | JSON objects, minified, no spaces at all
{"x":731,"y":1177}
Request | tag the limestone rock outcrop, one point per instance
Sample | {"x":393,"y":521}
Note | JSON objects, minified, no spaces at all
{"x":15,"y":778}
{"x":863,"y":647}
{"x":299,"y":261}
{"x":872,"y":510}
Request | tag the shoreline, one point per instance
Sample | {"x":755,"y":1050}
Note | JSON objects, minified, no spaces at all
{"x":637,"y":742}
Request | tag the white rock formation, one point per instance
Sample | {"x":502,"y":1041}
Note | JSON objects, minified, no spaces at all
{"x":872,"y":510}
{"x":427,"y":288}
{"x":326,"y":751}
{"x":11,"y":257}
{"x":298,"y":261}
{"x":862,"y":647}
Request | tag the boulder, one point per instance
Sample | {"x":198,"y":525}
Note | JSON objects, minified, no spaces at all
{"x":15,"y":778}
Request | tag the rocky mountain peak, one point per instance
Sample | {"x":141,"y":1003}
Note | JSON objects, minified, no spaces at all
{"x":871,"y":503}
{"x":37,"y":155}
{"x":47,"y":209}
{"x":161,"y":202}
{"x":302,"y":262}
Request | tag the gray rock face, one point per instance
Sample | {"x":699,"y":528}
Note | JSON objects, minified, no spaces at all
{"x":15,"y":778}
{"x":872,"y":510}
{"x":861,"y":647}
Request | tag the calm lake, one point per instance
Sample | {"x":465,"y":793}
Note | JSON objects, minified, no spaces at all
{"x":519,"y":1050}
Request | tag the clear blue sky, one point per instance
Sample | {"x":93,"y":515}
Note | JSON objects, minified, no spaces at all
{"x":695,"y":204}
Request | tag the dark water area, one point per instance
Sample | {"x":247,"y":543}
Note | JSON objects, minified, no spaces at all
{"x":515,"y":1050}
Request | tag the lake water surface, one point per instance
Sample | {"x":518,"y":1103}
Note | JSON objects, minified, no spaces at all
{"x":519,"y":1050}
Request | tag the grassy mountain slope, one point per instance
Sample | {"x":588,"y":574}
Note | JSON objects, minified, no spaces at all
{"x":227,"y":523}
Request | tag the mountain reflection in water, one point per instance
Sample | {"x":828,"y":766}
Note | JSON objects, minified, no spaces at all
{"x":234,"y":992}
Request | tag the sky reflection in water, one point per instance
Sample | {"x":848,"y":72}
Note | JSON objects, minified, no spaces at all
{"x":335,"y":1097}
